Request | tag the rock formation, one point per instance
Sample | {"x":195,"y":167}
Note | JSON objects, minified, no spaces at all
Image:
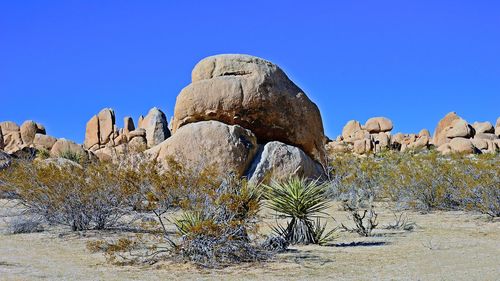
{"x":255,"y":94}
{"x":225,"y":148}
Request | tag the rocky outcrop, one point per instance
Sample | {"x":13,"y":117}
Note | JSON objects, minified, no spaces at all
{"x":444,"y":125}
{"x":156,"y":126}
{"x":208,"y":144}
{"x":11,"y":136}
{"x":44,"y":142}
{"x":64,"y":147}
{"x":255,"y":94}
{"x":483,"y":127}
{"x":497,"y":127}
{"x":378,"y":125}
{"x":28,"y":131}
{"x":279,"y":161}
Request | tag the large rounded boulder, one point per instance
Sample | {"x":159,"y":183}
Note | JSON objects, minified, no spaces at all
{"x":255,"y":94}
{"x":279,"y":161}
{"x":208,"y":144}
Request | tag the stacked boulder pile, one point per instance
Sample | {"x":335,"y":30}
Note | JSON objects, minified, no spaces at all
{"x":242,"y":114}
{"x":108,"y":142}
{"x":26,"y":140}
{"x":375,"y":136}
{"x":452,"y":135}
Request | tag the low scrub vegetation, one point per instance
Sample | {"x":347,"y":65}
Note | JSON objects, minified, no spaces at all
{"x":212,"y":220}
{"x":424,"y":182}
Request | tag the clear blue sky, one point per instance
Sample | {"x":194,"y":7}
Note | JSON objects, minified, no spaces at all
{"x":412,"y":61}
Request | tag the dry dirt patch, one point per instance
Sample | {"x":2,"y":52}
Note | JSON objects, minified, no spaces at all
{"x":445,"y":246}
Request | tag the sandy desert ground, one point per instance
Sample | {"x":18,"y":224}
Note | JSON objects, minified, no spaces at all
{"x":445,"y":246}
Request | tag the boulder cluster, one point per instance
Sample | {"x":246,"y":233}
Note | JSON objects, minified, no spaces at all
{"x":242,"y":114}
{"x":104,"y":139}
{"x":452,"y":135}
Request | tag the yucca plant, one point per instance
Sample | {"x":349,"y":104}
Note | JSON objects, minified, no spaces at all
{"x":301,"y":201}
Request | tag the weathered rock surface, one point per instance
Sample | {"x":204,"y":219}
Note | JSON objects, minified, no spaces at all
{"x":11,"y":136}
{"x":363,"y":146}
{"x":378,"y":125}
{"x":225,"y":148}
{"x":128,"y":125}
{"x":497,"y":127}
{"x":44,"y":142}
{"x":28,"y":131}
{"x":350,"y":129}
{"x":64,"y":146}
{"x":279,"y":161}
{"x":255,"y":94}
{"x":156,"y":126}
{"x":92,"y":134}
{"x":483,"y":127}
{"x":462,"y":145}
{"x":443,"y":127}
{"x":459,"y":129}
{"x":106,"y":119}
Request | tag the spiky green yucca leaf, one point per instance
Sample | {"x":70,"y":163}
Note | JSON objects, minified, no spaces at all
{"x":301,"y":201}
{"x":297,"y":198}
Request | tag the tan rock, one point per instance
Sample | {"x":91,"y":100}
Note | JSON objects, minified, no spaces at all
{"x":137,"y":144}
{"x":137,"y":133}
{"x":497,"y":127}
{"x":207,"y":144}
{"x":337,"y":147}
{"x":462,"y":145}
{"x":255,"y":94}
{"x":64,"y":147}
{"x":483,"y":127}
{"x":363,"y":146}
{"x":156,"y":126}
{"x":128,"y":125}
{"x":350,"y":129}
{"x":424,"y":132}
{"x":443,"y":127}
{"x":11,"y":136}
{"x":28,"y":131}
{"x":459,"y":129}
{"x":44,"y":142}
{"x":444,"y":149}
{"x":485,"y":136}
{"x":397,"y":139}
{"x":381,"y":141}
{"x":378,"y":124}
{"x":8,"y":127}
{"x":106,"y":125}
{"x":91,"y":141}
{"x":279,"y":161}
{"x":480,"y":144}
{"x":420,"y":143}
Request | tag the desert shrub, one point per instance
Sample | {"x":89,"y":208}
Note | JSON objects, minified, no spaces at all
{"x":401,"y":222}
{"x":25,"y":224}
{"x":92,"y":197}
{"x":217,"y":221}
{"x":216,"y":229}
{"x":301,"y":202}
{"x":72,"y":155}
{"x":361,"y":210}
{"x":423,"y":181}
{"x":43,"y":153}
